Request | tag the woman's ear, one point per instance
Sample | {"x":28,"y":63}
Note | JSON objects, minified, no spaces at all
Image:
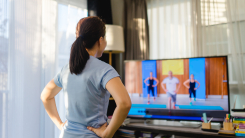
{"x":76,"y":33}
{"x":100,"y":41}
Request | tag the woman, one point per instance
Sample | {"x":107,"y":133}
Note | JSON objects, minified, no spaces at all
{"x":151,"y":86}
{"x":192,"y":87}
{"x":86,"y":82}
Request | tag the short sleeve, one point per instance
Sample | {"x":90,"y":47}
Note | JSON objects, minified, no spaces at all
{"x":110,"y":74}
{"x":57,"y":79}
{"x":164,"y":81}
{"x":177,"y":80}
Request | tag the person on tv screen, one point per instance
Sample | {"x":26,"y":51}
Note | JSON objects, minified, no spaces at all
{"x":192,"y":87}
{"x":151,"y":86}
{"x":171,"y":90}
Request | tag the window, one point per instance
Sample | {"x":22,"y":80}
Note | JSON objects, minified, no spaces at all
{"x":223,"y":24}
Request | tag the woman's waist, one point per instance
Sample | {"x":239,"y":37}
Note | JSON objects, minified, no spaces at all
{"x":77,"y":126}
{"x":71,"y":126}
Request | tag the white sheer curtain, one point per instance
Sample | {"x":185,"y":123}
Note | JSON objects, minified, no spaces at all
{"x":222,"y":32}
{"x":189,"y":28}
{"x":4,"y":66}
{"x":172,"y":28}
{"x":31,"y":48}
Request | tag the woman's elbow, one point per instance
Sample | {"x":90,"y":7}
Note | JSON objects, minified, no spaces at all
{"x":42,"y":97}
{"x":126,"y":105}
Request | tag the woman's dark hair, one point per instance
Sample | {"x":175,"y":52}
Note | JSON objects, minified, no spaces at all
{"x":90,"y":29}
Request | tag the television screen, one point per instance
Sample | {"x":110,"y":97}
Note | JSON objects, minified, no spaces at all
{"x":178,"y":89}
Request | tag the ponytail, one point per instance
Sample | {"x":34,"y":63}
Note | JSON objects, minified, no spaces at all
{"x":78,"y":57}
{"x":90,"y":30}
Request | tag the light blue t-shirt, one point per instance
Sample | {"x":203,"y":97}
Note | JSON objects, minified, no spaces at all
{"x":86,"y":98}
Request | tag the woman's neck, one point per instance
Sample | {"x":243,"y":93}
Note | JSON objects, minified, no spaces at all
{"x":92,"y":52}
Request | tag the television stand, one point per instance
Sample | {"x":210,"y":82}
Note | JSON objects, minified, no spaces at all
{"x":186,"y":124}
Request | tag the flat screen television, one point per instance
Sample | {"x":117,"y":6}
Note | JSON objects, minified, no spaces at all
{"x":178,"y":89}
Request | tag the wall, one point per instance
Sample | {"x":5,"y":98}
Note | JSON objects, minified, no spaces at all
{"x":215,"y":74}
{"x":133,"y":79}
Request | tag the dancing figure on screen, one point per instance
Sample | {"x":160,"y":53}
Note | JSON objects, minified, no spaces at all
{"x":192,"y":87}
{"x":171,"y":84}
{"x":151,"y":86}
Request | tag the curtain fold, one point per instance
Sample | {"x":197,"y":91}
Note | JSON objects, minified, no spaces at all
{"x":173,"y":28}
{"x":48,"y":59}
{"x":197,"y":28}
{"x":35,"y":41}
{"x":222,"y":26}
{"x":23,"y":96}
{"x":32,"y":45}
{"x":136,"y":30}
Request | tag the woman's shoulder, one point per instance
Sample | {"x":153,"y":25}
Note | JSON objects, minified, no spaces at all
{"x":98,"y":61}
{"x":65,"y":68}
{"x":188,"y":80}
{"x":100,"y":65}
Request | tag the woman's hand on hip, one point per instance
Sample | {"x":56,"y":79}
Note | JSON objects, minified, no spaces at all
{"x":61,"y":125}
{"x":98,"y":131}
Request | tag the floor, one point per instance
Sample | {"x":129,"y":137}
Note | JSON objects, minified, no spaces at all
{"x":183,"y":100}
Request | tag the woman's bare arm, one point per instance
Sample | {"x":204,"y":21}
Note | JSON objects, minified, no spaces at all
{"x":198,"y":84}
{"x":123,"y":102}
{"x":185,"y":84}
{"x":47,"y":97}
{"x":146,"y":80}
{"x":156,"y":81}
